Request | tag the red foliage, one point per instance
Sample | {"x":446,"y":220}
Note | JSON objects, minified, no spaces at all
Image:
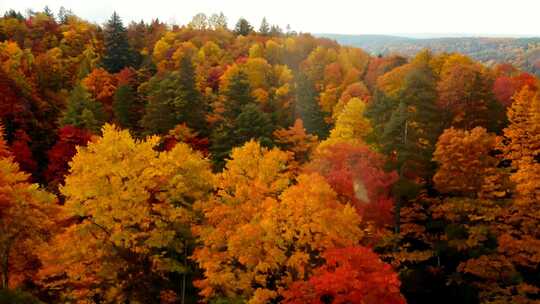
{"x":213,"y":78}
{"x":14,"y":108}
{"x":69,"y":137}
{"x":356,"y":174}
{"x":125,"y":77}
{"x":4,"y":149}
{"x":378,"y":66}
{"x":183,"y":133}
{"x":350,"y":275}
{"x":22,"y":153}
{"x":505,"y":87}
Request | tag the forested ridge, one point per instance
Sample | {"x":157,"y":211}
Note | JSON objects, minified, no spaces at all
{"x":156,"y":163}
{"x":523,"y":53}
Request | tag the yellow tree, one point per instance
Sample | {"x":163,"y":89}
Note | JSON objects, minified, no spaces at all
{"x":252,"y":175}
{"x":351,"y":125}
{"x":133,"y":211}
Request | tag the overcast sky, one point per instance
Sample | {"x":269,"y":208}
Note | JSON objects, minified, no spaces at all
{"x":487,"y":17}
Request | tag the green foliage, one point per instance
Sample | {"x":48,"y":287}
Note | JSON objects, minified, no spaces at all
{"x":17,"y":297}
{"x":83,"y":111}
{"x":124,"y":107}
{"x":243,"y":27}
{"x":118,"y":52}
{"x":308,"y":109}
{"x":264,"y":29}
{"x":174,"y":99}
{"x":252,"y":123}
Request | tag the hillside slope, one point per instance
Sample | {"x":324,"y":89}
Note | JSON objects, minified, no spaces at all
{"x":521,"y":52}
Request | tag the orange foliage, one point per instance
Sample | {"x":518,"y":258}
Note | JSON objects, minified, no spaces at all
{"x":350,"y":275}
{"x":464,"y":160}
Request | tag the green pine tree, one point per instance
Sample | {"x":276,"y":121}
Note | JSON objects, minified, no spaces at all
{"x":237,"y":95}
{"x":410,"y":133}
{"x":243,"y":120}
{"x":252,"y":123}
{"x":264,"y":29}
{"x":308,"y":109}
{"x":243,"y":27}
{"x":192,"y":109}
{"x":118,"y":53}
{"x":125,"y":107}
{"x":174,"y":99}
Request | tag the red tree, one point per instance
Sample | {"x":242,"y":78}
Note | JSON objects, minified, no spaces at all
{"x":22,"y":153}
{"x":350,"y":275}
{"x":356,"y":174}
{"x":69,"y":137}
{"x":505,"y":87}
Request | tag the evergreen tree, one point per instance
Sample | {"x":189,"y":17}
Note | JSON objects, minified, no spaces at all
{"x":252,"y":123}
{"x":411,"y":132}
{"x":264,"y":29}
{"x":276,"y":31}
{"x":82,"y":111}
{"x":13,"y":14}
{"x":159,"y":116}
{"x":47,"y":11}
{"x":243,"y":27}
{"x":195,"y":109}
{"x":308,"y":109}
{"x":118,"y":53}
{"x":237,"y":95}
{"x":175,"y":99}
{"x":242,"y":120}
{"x":124,"y":107}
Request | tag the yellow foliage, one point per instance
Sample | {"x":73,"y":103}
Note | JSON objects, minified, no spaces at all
{"x":134,"y":203}
{"x":351,"y":125}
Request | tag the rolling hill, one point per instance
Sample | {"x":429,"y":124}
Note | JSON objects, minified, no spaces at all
{"x":521,"y":52}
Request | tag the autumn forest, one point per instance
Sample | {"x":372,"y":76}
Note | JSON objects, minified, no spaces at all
{"x":146,"y":162}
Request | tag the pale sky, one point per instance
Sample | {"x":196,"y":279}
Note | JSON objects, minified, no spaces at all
{"x":485,"y":17}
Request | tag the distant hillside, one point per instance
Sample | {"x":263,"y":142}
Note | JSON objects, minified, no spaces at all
{"x":521,"y":52}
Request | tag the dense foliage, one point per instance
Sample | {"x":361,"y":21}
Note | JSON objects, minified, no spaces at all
{"x":151,"y":163}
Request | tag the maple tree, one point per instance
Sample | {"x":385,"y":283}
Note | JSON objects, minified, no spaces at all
{"x":101,"y":85}
{"x":307,"y":219}
{"x":349,"y":275}
{"x":351,"y":125}
{"x":357,"y":175}
{"x":147,"y":196}
{"x":464,"y":160}
{"x":296,"y":140}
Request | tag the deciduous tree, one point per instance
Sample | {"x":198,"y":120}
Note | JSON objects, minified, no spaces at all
{"x":132,"y":219}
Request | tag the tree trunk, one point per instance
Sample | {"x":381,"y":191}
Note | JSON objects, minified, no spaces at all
{"x":5,"y":266}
